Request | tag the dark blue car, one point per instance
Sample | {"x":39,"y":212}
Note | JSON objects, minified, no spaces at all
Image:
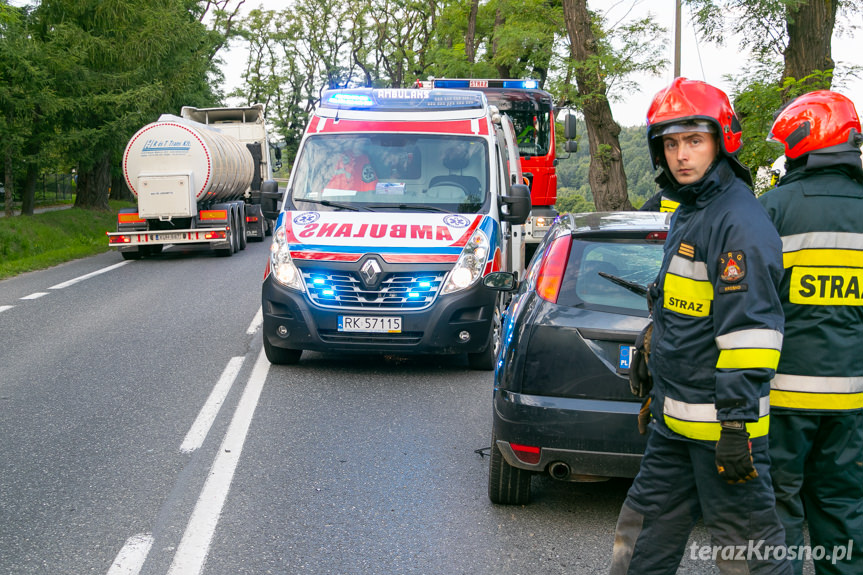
{"x":562,"y":403}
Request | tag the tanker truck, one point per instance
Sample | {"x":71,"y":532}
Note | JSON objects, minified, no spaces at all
{"x":196,"y":182}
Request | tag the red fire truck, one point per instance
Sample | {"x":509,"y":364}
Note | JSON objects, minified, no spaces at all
{"x":532,"y":112}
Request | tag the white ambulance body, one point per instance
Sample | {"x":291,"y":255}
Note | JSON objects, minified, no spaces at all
{"x":399,"y":202}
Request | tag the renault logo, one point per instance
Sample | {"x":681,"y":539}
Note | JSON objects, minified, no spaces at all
{"x":369,"y":272}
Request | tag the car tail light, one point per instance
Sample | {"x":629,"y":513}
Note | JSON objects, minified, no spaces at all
{"x":552,"y":268}
{"x":526,"y":453}
{"x":657,"y":236}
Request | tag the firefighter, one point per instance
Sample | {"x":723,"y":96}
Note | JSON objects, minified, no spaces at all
{"x":717,"y":334}
{"x":816,"y":433}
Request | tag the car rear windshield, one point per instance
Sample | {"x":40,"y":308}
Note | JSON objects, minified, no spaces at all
{"x":635,"y":261}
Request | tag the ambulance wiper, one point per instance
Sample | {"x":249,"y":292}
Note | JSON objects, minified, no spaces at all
{"x":631,"y":286}
{"x":412,"y":207}
{"x":332,"y":204}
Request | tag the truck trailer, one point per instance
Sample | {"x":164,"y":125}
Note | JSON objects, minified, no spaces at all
{"x":198,"y":180}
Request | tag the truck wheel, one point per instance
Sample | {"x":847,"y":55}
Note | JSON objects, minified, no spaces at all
{"x":136,"y":255}
{"x":235,"y":235}
{"x":280,"y":355}
{"x":484,"y":360}
{"x":507,"y":485}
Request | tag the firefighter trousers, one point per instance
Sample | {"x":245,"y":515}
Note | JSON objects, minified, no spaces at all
{"x":817,"y":468}
{"x":678,"y":484}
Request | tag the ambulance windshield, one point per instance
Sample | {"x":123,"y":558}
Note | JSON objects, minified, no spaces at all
{"x":386,"y":171}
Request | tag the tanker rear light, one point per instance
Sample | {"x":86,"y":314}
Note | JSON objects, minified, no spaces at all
{"x":213,"y":215}
{"x":130,"y":218}
{"x":216,"y":235}
{"x":251,"y":219}
{"x":119,"y":239}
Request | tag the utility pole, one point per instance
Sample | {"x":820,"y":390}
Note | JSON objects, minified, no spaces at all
{"x":677,"y":11}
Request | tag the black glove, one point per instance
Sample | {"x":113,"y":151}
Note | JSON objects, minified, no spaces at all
{"x":640,"y":380}
{"x":734,"y":453}
{"x":644,"y":416}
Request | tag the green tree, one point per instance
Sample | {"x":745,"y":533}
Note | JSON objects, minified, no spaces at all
{"x":119,"y":64}
{"x":596,"y":63}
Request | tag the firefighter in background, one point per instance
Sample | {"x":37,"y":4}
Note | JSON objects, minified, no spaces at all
{"x":717,"y":334}
{"x":816,"y":435}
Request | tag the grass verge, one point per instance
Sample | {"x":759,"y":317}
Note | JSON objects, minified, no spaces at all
{"x":29,"y":243}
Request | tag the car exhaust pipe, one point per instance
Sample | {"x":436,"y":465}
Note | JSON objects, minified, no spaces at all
{"x":559,"y":470}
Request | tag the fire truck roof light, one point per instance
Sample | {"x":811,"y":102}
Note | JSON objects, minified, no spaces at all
{"x":491,"y":83}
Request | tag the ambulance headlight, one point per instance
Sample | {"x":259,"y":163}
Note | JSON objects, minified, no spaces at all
{"x":284,"y":270}
{"x":468,"y":270}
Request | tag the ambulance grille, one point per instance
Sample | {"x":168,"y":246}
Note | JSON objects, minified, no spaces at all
{"x":344,"y":290}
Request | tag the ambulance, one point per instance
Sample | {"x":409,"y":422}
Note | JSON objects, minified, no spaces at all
{"x":399,"y":202}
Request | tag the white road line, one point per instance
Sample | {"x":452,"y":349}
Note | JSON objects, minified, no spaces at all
{"x":5,"y":307}
{"x":88,"y":276}
{"x":131,"y":557}
{"x":256,"y":322}
{"x":195,"y":544}
{"x":36,"y":295}
{"x":199,"y":430}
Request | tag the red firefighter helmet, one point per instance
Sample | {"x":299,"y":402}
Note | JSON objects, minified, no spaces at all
{"x":692,"y":103}
{"x":823,"y":121}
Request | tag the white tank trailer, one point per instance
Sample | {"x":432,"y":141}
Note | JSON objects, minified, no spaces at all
{"x":196,"y":183}
{"x":174,"y":164}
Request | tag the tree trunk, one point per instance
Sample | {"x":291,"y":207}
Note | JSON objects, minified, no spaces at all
{"x":28,"y":197}
{"x":810,"y":33}
{"x":9,"y":196}
{"x":499,"y":23}
{"x":470,"y":37}
{"x":119,"y":189}
{"x":606,"y":176}
{"x":93,"y":185}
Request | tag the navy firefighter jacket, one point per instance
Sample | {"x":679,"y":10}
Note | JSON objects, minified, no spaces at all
{"x":819,"y":215}
{"x":718,"y":320}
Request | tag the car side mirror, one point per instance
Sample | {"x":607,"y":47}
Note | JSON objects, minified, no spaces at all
{"x":517,"y":204}
{"x":501,"y":281}
{"x":270,"y":199}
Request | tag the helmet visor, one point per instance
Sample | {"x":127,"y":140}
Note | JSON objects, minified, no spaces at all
{"x":684,"y":127}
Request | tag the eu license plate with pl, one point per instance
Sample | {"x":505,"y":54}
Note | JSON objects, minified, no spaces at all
{"x":370,"y":324}
{"x":625,"y":358}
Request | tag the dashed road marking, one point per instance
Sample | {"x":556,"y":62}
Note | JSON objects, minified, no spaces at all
{"x":131,"y":557}
{"x":256,"y":322}
{"x":201,"y":427}
{"x":36,"y":295}
{"x":88,"y":276}
{"x":195,"y":544}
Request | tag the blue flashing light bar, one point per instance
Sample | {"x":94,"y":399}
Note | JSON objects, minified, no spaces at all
{"x":490,"y":83}
{"x":400,"y":99}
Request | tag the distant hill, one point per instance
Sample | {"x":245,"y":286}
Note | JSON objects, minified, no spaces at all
{"x":573,"y":190}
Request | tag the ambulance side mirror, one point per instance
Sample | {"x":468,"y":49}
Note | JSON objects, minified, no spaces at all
{"x":515,"y":207}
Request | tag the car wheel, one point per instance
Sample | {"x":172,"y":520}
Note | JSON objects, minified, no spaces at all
{"x":507,"y":485}
{"x":484,"y":360}
{"x":281,"y":355}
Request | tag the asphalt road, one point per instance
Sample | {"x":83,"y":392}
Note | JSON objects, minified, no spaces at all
{"x":142,"y":431}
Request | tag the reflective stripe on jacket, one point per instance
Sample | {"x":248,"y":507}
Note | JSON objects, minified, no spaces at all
{"x":718,"y":325}
{"x":817,"y":214}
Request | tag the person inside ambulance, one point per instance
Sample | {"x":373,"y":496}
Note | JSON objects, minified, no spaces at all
{"x":816,"y":398}
{"x":714,"y":344}
{"x":351,"y":170}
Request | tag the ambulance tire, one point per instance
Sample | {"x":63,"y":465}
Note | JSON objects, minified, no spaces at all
{"x":281,"y":355}
{"x":484,"y":360}
{"x":507,"y":485}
